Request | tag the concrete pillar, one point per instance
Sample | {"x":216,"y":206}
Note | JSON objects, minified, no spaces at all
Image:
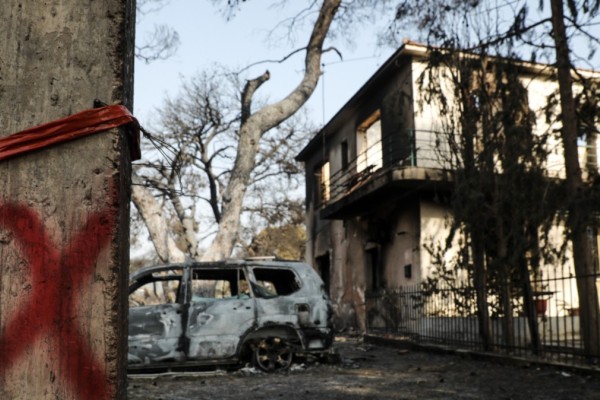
{"x":64,"y":210}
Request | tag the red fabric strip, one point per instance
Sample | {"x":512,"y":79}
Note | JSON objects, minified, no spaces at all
{"x":70,"y":128}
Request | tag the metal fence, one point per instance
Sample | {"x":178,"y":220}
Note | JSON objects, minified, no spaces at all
{"x":447,"y":315}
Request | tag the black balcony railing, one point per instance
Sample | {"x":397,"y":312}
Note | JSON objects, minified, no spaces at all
{"x":417,"y":148}
{"x":411,"y":149}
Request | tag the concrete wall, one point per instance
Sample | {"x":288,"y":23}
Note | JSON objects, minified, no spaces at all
{"x":348,"y":277}
{"x":64,"y":210}
{"x":435,"y":229}
{"x":401,"y":252}
{"x":553,"y":331}
{"x":414,"y":221}
{"x":346,"y":242}
{"x":428,"y":118}
{"x":394,"y":231}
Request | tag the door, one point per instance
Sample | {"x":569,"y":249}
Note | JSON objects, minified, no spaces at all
{"x":221,"y":311}
{"x":155,"y":326}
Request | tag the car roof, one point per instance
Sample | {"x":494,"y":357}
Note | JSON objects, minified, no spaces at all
{"x":223,"y":264}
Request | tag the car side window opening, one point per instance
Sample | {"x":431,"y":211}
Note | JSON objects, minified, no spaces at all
{"x":244,"y":288}
{"x":155,"y":289}
{"x":218,"y":284}
{"x":271,"y":282}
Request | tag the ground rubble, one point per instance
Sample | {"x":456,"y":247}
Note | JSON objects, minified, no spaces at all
{"x":368,"y":371}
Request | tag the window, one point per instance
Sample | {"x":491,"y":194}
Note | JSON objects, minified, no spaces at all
{"x":408,"y":271}
{"x":322,"y":191}
{"x":156,"y":288}
{"x":588,"y":150}
{"x":344,"y":151}
{"x":368,"y":142}
{"x":273,"y":282}
{"x":324,"y":184}
{"x":325,"y":270}
{"x":373,"y":269}
{"x":217,"y":284}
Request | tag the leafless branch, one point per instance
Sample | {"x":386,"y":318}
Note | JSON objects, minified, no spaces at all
{"x":248,"y":93}
{"x":160,"y":45}
{"x":144,"y":7}
{"x":279,"y":61}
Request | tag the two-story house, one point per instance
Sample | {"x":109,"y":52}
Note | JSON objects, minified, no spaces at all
{"x":374,"y":177}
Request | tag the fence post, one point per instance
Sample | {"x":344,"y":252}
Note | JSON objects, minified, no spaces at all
{"x":64,"y":210}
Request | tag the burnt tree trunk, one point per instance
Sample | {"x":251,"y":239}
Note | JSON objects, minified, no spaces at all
{"x":578,"y":218}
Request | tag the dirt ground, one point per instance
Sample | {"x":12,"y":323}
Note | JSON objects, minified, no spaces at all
{"x":375,"y":372}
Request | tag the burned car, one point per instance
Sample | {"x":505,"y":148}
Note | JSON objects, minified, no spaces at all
{"x":226,"y":313}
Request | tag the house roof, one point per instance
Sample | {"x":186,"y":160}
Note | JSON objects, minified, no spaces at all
{"x":408,"y":50}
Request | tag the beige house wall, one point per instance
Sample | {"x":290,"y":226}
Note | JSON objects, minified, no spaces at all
{"x":347,"y":272}
{"x":347,"y":243}
{"x":412,"y":226}
{"x":435,"y":229}
{"x":402,"y":251}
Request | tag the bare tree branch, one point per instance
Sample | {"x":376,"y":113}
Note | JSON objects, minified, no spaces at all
{"x":248,"y":93}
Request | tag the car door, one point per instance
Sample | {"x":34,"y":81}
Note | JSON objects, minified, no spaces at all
{"x":276,"y":302}
{"x":221,"y":310}
{"x":155,"y":323}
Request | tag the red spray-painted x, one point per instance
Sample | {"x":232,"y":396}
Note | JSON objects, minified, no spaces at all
{"x":56,"y":278}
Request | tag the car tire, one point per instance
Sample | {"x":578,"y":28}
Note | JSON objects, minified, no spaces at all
{"x":272,"y":354}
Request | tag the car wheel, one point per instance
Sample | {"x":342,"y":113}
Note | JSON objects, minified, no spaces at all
{"x":273,"y":354}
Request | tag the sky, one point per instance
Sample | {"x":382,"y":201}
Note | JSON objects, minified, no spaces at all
{"x":208,"y":38}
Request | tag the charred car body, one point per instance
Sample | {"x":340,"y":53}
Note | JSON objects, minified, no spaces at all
{"x":198,"y":314}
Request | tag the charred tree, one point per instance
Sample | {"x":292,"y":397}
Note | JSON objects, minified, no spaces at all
{"x":578,"y":219}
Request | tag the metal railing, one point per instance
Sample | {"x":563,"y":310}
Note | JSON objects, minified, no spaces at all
{"x":447,"y":316}
{"x":411,"y":149}
{"x":416,"y":148}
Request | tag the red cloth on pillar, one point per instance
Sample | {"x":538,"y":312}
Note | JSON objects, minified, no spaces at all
{"x":70,"y":128}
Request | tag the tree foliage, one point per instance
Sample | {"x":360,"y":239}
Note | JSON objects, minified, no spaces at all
{"x":503,"y":203}
{"x":501,"y":196}
{"x":286,"y":242}
{"x":162,"y":42}
{"x":187,"y":177}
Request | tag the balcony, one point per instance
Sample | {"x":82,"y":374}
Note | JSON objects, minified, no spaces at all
{"x":392,"y":165}
{"x":402,"y":164}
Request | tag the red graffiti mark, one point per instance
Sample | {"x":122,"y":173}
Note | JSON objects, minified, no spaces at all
{"x":56,"y":277}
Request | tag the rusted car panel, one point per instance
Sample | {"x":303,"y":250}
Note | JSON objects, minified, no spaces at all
{"x":214,"y":329}
{"x":227,"y":312}
{"x":155,"y":324}
{"x":154,"y":333}
{"x":304,"y":310}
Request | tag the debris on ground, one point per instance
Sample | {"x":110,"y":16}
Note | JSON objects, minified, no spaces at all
{"x":369,"y":372}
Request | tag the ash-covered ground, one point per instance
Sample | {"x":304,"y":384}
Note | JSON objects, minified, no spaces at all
{"x":375,"y":372}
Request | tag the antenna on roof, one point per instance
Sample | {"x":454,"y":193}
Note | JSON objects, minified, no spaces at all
{"x":323,"y":90}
